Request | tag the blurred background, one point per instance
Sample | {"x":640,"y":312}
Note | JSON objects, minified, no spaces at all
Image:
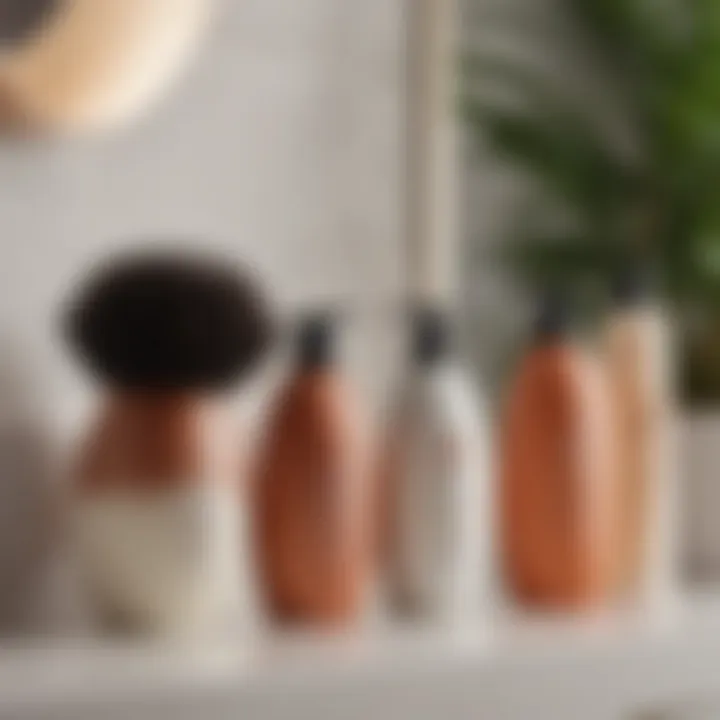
{"x":360,"y":154}
{"x":590,"y":147}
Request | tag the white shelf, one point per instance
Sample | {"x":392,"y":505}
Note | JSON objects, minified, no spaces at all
{"x":614,"y":666}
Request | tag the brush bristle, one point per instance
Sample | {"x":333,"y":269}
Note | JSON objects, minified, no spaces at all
{"x":170,"y":322}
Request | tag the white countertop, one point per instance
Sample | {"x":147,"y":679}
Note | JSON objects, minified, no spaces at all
{"x":514,"y":667}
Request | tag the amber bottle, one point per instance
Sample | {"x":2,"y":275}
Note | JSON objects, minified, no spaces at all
{"x":313,"y":497}
{"x":156,"y":493}
{"x":558,"y":488}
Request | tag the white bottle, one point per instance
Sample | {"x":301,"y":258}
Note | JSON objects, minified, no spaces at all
{"x":638,"y":354}
{"x":438,"y":480}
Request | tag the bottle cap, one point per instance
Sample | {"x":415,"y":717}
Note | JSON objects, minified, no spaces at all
{"x":316,"y":340}
{"x":552,"y":320}
{"x":632,"y":285}
{"x":432,"y":335}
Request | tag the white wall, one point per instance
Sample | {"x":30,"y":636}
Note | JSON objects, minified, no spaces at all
{"x":282,"y":145}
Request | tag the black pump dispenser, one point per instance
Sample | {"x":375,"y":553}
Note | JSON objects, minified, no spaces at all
{"x":431,"y":336}
{"x":632,"y":286}
{"x":316,"y":341}
{"x":552,"y":320}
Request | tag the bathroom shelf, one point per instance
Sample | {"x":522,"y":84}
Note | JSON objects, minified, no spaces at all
{"x":621,"y":665}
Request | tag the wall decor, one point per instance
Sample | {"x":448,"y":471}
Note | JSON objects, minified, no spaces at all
{"x":88,"y":65}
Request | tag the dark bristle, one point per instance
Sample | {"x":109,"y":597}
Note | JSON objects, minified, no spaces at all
{"x":169,"y":322}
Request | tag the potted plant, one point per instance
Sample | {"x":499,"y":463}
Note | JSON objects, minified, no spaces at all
{"x":633,"y":179}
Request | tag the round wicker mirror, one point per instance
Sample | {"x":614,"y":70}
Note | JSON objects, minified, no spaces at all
{"x":83,"y":65}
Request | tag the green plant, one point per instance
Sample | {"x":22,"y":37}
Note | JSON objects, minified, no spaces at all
{"x":601,"y":198}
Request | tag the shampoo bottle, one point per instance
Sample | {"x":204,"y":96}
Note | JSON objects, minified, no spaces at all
{"x":156,"y":495}
{"x":559,"y":501}
{"x":638,"y":359}
{"x":438,"y":480}
{"x":314,"y":494}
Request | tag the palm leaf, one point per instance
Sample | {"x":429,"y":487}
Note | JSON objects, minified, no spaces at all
{"x":549,"y":135}
{"x":663,"y":57}
{"x":567,"y":157}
